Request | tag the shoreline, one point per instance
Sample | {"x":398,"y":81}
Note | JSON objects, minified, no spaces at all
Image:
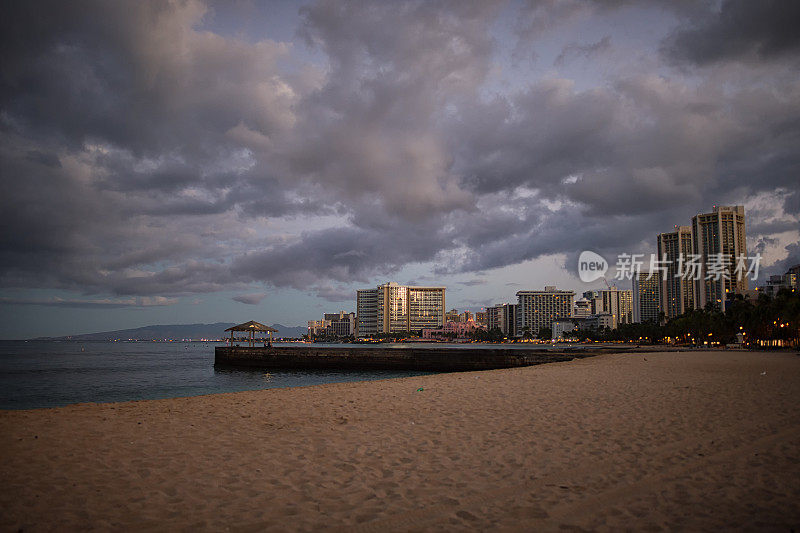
{"x":655,"y":439}
{"x":563,"y":354}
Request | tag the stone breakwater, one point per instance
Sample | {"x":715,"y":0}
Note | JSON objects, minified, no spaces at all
{"x":426,"y":359}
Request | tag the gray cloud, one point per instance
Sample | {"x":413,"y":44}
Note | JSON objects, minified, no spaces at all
{"x":156,"y":301}
{"x":740,"y":30}
{"x":250,"y":299}
{"x":473,"y":282}
{"x":586,"y":51}
{"x":142,"y":154}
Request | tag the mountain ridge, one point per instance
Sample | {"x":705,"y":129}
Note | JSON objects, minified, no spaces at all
{"x":175,"y":332}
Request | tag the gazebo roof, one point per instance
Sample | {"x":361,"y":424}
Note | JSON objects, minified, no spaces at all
{"x":251,"y":326}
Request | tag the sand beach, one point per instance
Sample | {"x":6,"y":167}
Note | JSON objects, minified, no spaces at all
{"x":647,"y":441}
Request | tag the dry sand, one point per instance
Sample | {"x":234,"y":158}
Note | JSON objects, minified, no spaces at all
{"x":651,"y":441}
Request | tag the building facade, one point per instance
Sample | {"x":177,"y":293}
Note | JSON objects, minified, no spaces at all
{"x":539,"y":309}
{"x":340,"y":324}
{"x":503,"y":317}
{"x":317,"y":327}
{"x":597,"y":321}
{"x":618,"y":303}
{"x":719,"y":239}
{"x":493,"y":317}
{"x":392,"y":308}
{"x":646,"y":297}
{"x":451,"y":331}
{"x":366,"y":312}
{"x":563,"y":329}
{"x":776,"y":283}
{"x":583,"y":308}
{"x":677,"y":292}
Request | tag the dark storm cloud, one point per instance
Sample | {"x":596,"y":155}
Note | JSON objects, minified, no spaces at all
{"x":117,"y":120}
{"x":792,"y":203}
{"x":141,"y":153}
{"x":340,"y":254}
{"x":374,"y":130}
{"x":49,"y":160}
{"x":741,"y":29}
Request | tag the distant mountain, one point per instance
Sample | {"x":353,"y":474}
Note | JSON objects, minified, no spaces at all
{"x":176,"y":332}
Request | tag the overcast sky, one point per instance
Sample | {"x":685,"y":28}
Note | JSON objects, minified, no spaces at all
{"x":178,"y":162}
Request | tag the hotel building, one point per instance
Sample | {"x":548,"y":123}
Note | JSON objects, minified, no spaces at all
{"x":391,"y":308}
{"x":646,"y":297}
{"x":582,"y":309}
{"x":539,"y":309}
{"x":503,"y":317}
{"x":366,"y":312}
{"x":719,"y":235}
{"x":341,"y":324}
{"x":618,"y":303}
{"x":677,"y":293}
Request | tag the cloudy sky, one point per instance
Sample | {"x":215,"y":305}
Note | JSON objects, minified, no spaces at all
{"x":191,"y":161}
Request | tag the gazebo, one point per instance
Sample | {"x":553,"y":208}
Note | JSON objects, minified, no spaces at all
{"x":252,"y":327}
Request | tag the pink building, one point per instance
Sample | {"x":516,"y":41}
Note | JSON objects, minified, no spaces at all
{"x":461,"y":330}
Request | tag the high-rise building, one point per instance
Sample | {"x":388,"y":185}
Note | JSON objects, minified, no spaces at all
{"x":677,"y":291}
{"x":595,"y":303}
{"x":719,"y":239}
{"x":340,"y":324}
{"x":583,"y":308}
{"x":452,"y":316}
{"x":539,"y":309}
{"x":391,"y":308}
{"x":793,"y":278}
{"x":618,"y":303}
{"x":509,"y":325}
{"x":317,"y":327}
{"x":425,"y":307}
{"x":366,"y":312}
{"x":646,"y":297}
{"x":480,"y":318}
{"x":503,"y":317}
{"x":493,"y":317}
{"x":777,"y":283}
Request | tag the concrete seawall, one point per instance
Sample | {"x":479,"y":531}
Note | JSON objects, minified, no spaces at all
{"x":379,"y":358}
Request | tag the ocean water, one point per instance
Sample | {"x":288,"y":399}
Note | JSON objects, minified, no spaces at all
{"x":37,"y":374}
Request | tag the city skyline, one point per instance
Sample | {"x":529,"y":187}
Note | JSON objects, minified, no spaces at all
{"x":196,"y":162}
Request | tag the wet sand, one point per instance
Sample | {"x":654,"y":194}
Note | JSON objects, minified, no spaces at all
{"x":701,"y":440}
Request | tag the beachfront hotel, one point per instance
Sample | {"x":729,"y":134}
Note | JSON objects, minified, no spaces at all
{"x":339,"y":324}
{"x":539,"y":309}
{"x":502,"y":317}
{"x":391,"y":308}
{"x":646,"y":297}
{"x":677,"y":292}
{"x":618,"y":303}
{"x":721,"y":231}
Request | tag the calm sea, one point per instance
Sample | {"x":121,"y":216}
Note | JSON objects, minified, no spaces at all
{"x":48,"y":374}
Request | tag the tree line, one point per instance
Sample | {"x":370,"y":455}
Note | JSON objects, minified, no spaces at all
{"x":767,"y":319}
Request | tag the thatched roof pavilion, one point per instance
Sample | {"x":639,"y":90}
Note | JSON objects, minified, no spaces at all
{"x":252,"y":327}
